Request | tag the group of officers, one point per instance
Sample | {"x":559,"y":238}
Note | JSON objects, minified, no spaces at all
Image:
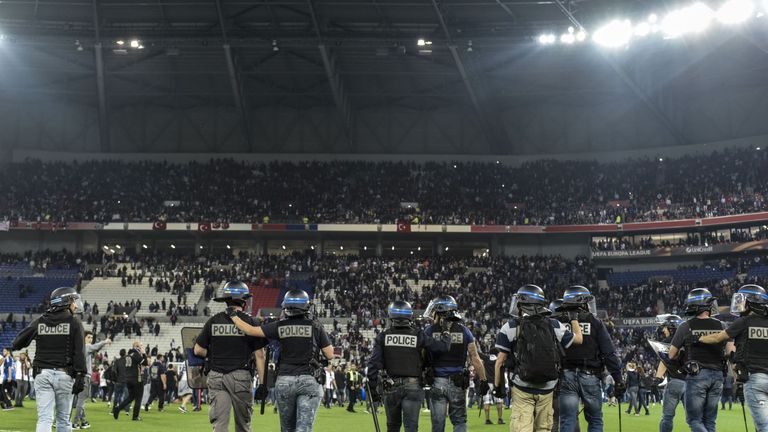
{"x":412,"y":355}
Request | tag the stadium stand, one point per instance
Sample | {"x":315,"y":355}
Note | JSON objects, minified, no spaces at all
{"x":543,"y":192}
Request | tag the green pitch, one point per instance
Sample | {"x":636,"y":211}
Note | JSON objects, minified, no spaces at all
{"x":335,"y":420}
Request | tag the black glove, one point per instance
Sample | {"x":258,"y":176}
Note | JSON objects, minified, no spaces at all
{"x":498,"y":392}
{"x":573,"y":315}
{"x":79,"y":384}
{"x":230,"y":311}
{"x":261,"y":392}
{"x":482,"y":387}
{"x":658,"y":380}
{"x":619,"y":388}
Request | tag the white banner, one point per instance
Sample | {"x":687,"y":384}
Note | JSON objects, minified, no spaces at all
{"x":5,"y":226}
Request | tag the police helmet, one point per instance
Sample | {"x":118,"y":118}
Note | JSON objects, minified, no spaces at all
{"x":555,"y":305}
{"x":750,"y":298}
{"x":296,"y":302}
{"x":62,"y":297}
{"x":669,"y":322}
{"x":531,"y":299}
{"x":700,"y":300}
{"x":445,"y":307}
{"x":234,"y":292}
{"x":580,"y":297}
{"x":400,"y":312}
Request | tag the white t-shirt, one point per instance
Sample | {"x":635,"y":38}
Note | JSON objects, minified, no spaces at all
{"x":329,"y":380}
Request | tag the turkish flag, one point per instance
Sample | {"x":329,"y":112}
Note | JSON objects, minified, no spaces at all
{"x":204,"y":226}
{"x":216,"y":225}
{"x":225,"y":225}
{"x":403,"y":226}
{"x":159,"y":226}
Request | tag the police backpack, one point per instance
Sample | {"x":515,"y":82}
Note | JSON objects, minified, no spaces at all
{"x":538,"y":353}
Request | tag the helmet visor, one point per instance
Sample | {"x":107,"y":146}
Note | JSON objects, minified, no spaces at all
{"x":78,"y":301}
{"x":429,"y":311}
{"x":592,"y":305}
{"x":513,"y":309}
{"x":738,"y":303}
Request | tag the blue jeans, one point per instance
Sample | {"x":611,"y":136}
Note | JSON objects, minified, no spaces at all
{"x":575,"y":386}
{"x":673,"y":395}
{"x":54,"y":396}
{"x":402,"y":405}
{"x":702,"y":395}
{"x":448,"y":399}
{"x":756,"y":395}
{"x":632,"y":397}
{"x":298,"y":398}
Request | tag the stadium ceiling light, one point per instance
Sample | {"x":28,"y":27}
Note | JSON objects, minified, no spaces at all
{"x":653,"y":18}
{"x":547,"y":39}
{"x":735,"y":11}
{"x":581,"y":35}
{"x":283,"y":247}
{"x":446,"y":248}
{"x":419,"y":248}
{"x":615,"y":34}
{"x":411,"y":252}
{"x":112,"y":251}
{"x":757,"y":148}
{"x":421,"y":42}
{"x":393,"y":248}
{"x":312,"y":247}
{"x":144,"y":246}
{"x":135,"y":43}
{"x":201,"y":246}
{"x":691,"y":19}
{"x":341,"y":247}
{"x":642,"y":29}
{"x":118,"y":247}
{"x":173,"y":246}
{"x":120,"y":42}
{"x":106,"y":247}
{"x":229,"y":247}
{"x":567,"y":38}
{"x":365,"y":248}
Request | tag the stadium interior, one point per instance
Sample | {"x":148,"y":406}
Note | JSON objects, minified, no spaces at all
{"x":373,"y":150}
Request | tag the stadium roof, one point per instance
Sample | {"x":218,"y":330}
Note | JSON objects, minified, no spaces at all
{"x":362,"y":59}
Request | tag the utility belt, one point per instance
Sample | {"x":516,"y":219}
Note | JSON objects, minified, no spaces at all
{"x":69,"y":370}
{"x":460,"y":379}
{"x":587,"y":371}
{"x":389,"y":384}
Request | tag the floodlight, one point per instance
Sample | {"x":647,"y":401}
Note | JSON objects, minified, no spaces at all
{"x":616,"y":33}
{"x":735,"y":11}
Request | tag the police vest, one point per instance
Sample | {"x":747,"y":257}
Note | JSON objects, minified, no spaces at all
{"x":708,"y":356}
{"x":586,"y":355}
{"x":297,"y":343}
{"x":230,"y":349}
{"x":752,"y":347}
{"x":457,"y":356}
{"x":402,"y":357}
{"x":55,"y":344}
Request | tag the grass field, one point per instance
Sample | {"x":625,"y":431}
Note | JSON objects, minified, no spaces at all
{"x":333,"y":420}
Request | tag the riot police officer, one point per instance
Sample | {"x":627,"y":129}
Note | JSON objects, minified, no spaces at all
{"x":705,"y":364}
{"x":583,"y":364}
{"x":750,"y":332}
{"x":230,"y":355}
{"x":397,"y":352}
{"x":451,"y":377}
{"x":59,"y":365}
{"x":674,"y":391}
{"x":305,"y":349}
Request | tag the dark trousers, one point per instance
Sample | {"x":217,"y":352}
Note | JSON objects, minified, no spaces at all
{"x":156,"y":391}
{"x":352,"y":399}
{"x":6,"y":393}
{"x":135,"y":392}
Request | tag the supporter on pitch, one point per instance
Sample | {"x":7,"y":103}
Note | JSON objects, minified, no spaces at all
{"x":158,"y":383}
{"x":231,"y":356}
{"x":584,"y":363}
{"x":134,"y":360}
{"x":705,"y":363}
{"x":304,"y":350}
{"x":395,"y":367}
{"x":80,"y":421}
{"x":532,"y":338}
{"x":674,"y":391}
{"x":448,"y":370}
{"x":59,"y":363}
{"x":750,"y":332}
{"x":488,"y":399}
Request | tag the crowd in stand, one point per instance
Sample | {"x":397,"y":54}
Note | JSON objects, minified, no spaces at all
{"x":690,"y":239}
{"x":542,"y":192}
